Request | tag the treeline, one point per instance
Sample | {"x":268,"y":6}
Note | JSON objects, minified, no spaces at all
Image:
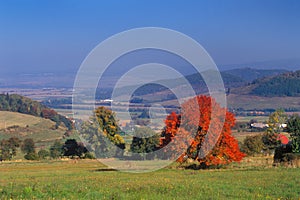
{"x":17,"y":103}
{"x":71,"y":148}
{"x":287,"y":84}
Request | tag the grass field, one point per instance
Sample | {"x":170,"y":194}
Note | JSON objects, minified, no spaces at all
{"x":26,"y":126}
{"x":246,"y":119}
{"x":8,"y":119}
{"x":88,"y":179}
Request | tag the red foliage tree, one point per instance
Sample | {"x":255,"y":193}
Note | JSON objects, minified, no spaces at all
{"x":208,"y":128}
{"x":48,"y":113}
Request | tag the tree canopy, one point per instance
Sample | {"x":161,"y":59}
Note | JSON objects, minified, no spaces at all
{"x":102,"y":133}
{"x":145,"y":140}
{"x":293,"y":127}
{"x":217,"y":135}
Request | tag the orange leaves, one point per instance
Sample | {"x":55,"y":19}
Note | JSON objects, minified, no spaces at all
{"x":208,"y":128}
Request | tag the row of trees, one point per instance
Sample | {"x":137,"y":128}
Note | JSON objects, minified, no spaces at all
{"x":71,"y":148}
{"x":212,"y":139}
{"x":8,"y":148}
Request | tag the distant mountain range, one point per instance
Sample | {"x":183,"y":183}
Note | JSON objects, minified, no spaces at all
{"x":287,"y":64}
{"x":250,"y":74}
{"x":235,"y":78}
{"x":65,"y":78}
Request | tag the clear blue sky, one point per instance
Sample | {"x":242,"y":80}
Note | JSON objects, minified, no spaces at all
{"x":56,"y":35}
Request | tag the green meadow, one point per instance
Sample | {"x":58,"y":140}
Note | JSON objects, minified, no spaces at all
{"x":89,"y":179}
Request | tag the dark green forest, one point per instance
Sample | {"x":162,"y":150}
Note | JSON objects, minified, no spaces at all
{"x":287,"y":84}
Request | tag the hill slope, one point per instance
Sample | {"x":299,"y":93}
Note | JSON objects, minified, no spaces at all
{"x":22,"y":126}
{"x":195,"y":80}
{"x":20,"y":104}
{"x":287,"y":84}
{"x":9,"y":119}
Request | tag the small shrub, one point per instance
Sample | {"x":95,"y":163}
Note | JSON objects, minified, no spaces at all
{"x":31,"y":156}
{"x":43,"y":154}
{"x":253,"y":145}
{"x":89,"y":155}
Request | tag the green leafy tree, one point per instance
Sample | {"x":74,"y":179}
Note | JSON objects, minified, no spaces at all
{"x":275,"y":127}
{"x":276,"y":120}
{"x":8,"y":148}
{"x":253,"y":145}
{"x":43,"y":154}
{"x":28,"y":148}
{"x":56,"y":150}
{"x":31,"y":156}
{"x":103,"y":133}
{"x":93,"y":134}
{"x":293,"y":127}
{"x":73,"y":148}
{"x":144,"y":141}
{"x":5,"y":150}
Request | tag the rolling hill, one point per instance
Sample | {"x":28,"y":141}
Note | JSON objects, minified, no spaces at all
{"x":22,"y":126}
{"x":21,"y":104}
{"x":250,"y":74}
{"x":274,"y":89}
{"x":282,"y":85}
{"x":287,"y":84}
{"x":195,"y":80}
{"x":236,"y":78}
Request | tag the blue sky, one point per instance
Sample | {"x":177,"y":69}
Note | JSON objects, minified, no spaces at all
{"x":56,"y":35}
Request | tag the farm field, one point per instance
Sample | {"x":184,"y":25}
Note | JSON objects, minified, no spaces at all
{"x":88,"y":179}
{"x":8,"y":119}
{"x":251,"y":102}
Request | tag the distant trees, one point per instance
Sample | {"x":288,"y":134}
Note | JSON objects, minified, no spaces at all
{"x":43,"y":154}
{"x":28,"y":148}
{"x":253,"y":145}
{"x":145,"y":140}
{"x":275,"y":126}
{"x":8,"y":148}
{"x":287,"y":84}
{"x":56,"y":150}
{"x":293,"y":127}
{"x":73,"y":148}
{"x":17,"y":103}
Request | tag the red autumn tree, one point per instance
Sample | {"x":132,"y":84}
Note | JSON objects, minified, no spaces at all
{"x":207,"y":127}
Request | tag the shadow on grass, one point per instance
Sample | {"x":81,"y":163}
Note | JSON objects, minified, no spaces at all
{"x":104,"y":170}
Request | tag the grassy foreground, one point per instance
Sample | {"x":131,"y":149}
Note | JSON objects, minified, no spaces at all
{"x":88,"y":179}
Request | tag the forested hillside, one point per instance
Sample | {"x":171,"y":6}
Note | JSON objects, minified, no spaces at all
{"x":17,"y":103}
{"x":287,"y":84}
